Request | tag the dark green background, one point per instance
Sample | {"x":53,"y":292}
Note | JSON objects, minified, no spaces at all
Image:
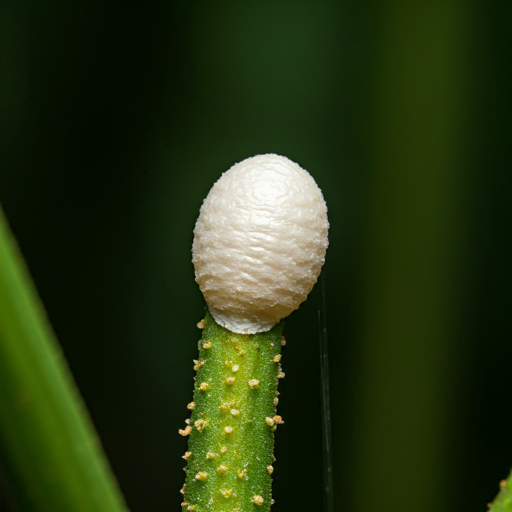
{"x":116,"y":120}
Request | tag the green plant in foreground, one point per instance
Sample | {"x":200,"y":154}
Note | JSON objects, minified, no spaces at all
{"x":259,"y":245}
{"x":48,"y":445}
{"x":233,"y":418}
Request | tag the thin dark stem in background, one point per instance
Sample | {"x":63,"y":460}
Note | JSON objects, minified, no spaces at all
{"x":326,"y":402}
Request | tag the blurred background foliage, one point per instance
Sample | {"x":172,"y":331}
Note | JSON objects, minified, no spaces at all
{"x":115,"y":121}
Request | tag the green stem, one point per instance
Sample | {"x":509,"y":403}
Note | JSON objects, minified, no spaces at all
{"x":47,"y":440}
{"x":231,"y":442}
{"x":503,"y":502}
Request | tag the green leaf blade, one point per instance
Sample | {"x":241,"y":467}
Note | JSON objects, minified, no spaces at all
{"x":47,"y":440}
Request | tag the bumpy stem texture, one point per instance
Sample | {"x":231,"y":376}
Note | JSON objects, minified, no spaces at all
{"x":503,"y":501}
{"x":230,"y":455}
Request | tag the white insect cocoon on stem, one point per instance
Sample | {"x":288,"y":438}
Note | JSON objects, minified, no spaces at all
{"x":259,"y":242}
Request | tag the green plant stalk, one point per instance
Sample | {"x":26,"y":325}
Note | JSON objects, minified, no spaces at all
{"x":48,"y":444}
{"x":503,"y":501}
{"x":231,"y":445}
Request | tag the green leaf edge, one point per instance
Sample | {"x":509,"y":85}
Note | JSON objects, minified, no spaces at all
{"x":48,"y":444}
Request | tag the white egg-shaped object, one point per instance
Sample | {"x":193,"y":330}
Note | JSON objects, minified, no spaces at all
{"x":259,"y":242}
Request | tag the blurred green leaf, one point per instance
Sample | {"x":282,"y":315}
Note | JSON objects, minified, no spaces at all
{"x":47,"y":440}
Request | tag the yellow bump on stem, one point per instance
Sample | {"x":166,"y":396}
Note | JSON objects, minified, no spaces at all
{"x":274,"y":458}
{"x":222,"y":469}
{"x":228,"y":430}
{"x":242,"y":474}
{"x":278,"y":420}
{"x":277,"y":358}
{"x":198,"y":364}
{"x":187,"y":421}
{"x":235,"y":368}
{"x":191,"y":405}
{"x":223,"y":408}
{"x":283,"y":341}
{"x":226,"y":492}
{"x":202,"y":476}
{"x":200,"y":424}
{"x":281,"y":375}
{"x":203,"y":386}
{"x":276,"y":400}
{"x":230,"y":381}
{"x":254,"y":383}
{"x":272,"y":501}
{"x":211,"y":455}
{"x":191,"y":508}
{"x":270,"y":421}
{"x":207,"y":344}
{"x":257,"y":499}
{"x":186,"y":431}
{"x":223,"y":449}
{"x":272,"y":345}
{"x":235,"y":412}
{"x":182,"y":490}
{"x":187,"y":455}
{"x":200,"y":325}
{"x":270,"y":469}
{"x":184,"y":503}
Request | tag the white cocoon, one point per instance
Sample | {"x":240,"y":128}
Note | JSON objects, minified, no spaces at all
{"x":259,"y":242}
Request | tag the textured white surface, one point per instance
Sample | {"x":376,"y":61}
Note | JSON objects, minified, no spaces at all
{"x":259,"y":242}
